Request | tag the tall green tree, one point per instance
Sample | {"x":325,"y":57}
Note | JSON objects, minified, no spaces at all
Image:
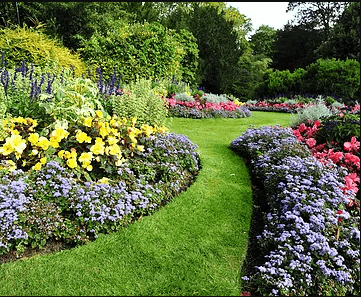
{"x":220,"y":33}
{"x":317,"y":15}
{"x":263,"y":41}
{"x":294,"y":47}
{"x":344,"y":39}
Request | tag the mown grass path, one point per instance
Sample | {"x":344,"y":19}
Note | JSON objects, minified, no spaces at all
{"x":195,"y":245}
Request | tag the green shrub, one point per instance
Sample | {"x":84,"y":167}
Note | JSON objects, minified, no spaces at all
{"x":141,"y":50}
{"x":140,"y":101}
{"x":74,"y":99}
{"x":31,"y":45}
{"x":339,"y":128}
{"x":331,"y":76}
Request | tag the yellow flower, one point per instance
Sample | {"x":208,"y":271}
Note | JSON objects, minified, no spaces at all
{"x":37,"y":166}
{"x":140,"y":148}
{"x":98,"y":147}
{"x":7,"y":148}
{"x":163,"y":129}
{"x":112,"y":140}
{"x":43,"y":160}
{"x":15,"y":132}
{"x":87,"y":122}
{"x":24,"y":163}
{"x":82,"y":137}
{"x":89,"y":168}
{"x":61,"y":154}
{"x":113,"y":150}
{"x":59,"y":134}
{"x":72,"y":163}
{"x":103,"y":129}
{"x":11,"y":164}
{"x":103,"y":180}
{"x":86,"y":157}
{"x":73,"y":153}
{"x":67,"y":154}
{"x":33,"y":138}
{"x":54,"y":142}
{"x":99,"y":114}
{"x":43,"y":143}
{"x":148,"y":130}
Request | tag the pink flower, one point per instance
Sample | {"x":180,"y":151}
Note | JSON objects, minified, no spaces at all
{"x":352,"y":145}
{"x":335,"y":157}
{"x":317,"y":124}
{"x":311,"y":142}
{"x":352,"y":160}
{"x":350,"y":185}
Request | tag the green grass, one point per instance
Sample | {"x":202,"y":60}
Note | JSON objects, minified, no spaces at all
{"x":195,"y":245}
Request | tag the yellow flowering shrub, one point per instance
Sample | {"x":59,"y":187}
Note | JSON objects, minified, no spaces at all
{"x":92,"y":148}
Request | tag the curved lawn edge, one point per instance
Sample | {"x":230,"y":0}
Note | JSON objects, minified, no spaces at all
{"x":192,"y":246}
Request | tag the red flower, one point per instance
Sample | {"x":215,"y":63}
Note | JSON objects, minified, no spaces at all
{"x":302,"y":127}
{"x":317,"y":124}
{"x":339,"y":212}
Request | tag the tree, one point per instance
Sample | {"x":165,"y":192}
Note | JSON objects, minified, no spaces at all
{"x":294,"y":47}
{"x":263,"y":40}
{"x":220,"y":33}
{"x":317,"y":15}
{"x":344,"y":39}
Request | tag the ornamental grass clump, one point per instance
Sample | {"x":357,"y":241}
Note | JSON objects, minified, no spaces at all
{"x":311,"y":236}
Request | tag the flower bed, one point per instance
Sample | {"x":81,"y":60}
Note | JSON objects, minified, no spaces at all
{"x":94,"y":177}
{"x":311,"y":237}
{"x":203,"y":109}
{"x":292,"y":108}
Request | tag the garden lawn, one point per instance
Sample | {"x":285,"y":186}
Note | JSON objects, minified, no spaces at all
{"x":195,"y":245}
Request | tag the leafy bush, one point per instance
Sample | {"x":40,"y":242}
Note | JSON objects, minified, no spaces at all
{"x":140,"y":101}
{"x":338,"y":128}
{"x":331,"y":76}
{"x":141,"y":50}
{"x":31,"y":45}
{"x":73,"y":99}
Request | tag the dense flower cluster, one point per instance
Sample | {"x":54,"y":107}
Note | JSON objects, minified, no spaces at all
{"x":274,"y":106}
{"x":95,"y":144}
{"x":346,"y":155}
{"x":200,"y":108}
{"x":292,"y":107}
{"x":53,"y":204}
{"x":311,"y":235}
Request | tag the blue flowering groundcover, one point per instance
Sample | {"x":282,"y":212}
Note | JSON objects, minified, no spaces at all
{"x":310,"y":239}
